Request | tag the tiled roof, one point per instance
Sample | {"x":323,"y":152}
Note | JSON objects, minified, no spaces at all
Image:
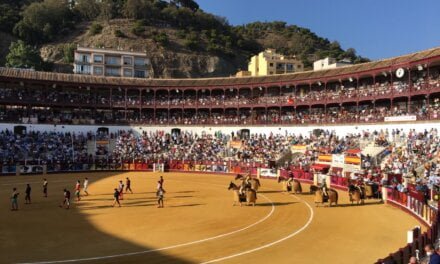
{"x":226,"y":81}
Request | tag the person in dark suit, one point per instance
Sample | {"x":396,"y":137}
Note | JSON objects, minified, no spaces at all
{"x":434,"y":257}
{"x":28,"y":194}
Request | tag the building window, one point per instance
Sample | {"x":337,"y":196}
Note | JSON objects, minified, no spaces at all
{"x":83,"y":69}
{"x":139,"y":62}
{"x":98,"y":58}
{"x":271,"y":64}
{"x":97,"y":70}
{"x":109,"y":71}
{"x":84,"y":58}
{"x":139,"y":74}
{"x":270,"y":73}
{"x":112,"y":60}
{"x":128,"y":61}
{"x":128,"y":73}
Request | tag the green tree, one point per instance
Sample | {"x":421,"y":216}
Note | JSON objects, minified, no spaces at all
{"x":9,"y":15}
{"x":191,"y":4}
{"x":111,"y":9}
{"x":139,"y":9}
{"x":43,"y":21}
{"x":88,"y":10}
{"x":24,"y":56}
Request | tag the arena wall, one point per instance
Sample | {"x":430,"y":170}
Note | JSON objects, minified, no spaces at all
{"x":305,"y":130}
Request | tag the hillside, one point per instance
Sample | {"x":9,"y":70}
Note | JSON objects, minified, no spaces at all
{"x":172,"y":59}
{"x":181,"y":39}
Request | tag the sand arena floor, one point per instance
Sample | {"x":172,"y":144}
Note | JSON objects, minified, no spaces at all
{"x":197,"y":225}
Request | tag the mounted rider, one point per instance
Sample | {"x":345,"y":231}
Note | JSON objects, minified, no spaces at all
{"x":290,"y":178}
{"x":245,"y":184}
{"x":359,"y":184}
{"x":324,"y":188}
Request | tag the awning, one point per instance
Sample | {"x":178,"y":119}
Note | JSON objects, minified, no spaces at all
{"x":320,"y":167}
{"x":353,"y":151}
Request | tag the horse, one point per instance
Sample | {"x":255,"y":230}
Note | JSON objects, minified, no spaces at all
{"x":313,"y":189}
{"x":293,"y":186}
{"x":355,"y":195}
{"x":250,"y":196}
{"x":286,"y":187}
{"x":239,"y":177}
{"x":372,"y":191}
{"x":296,"y":186}
{"x":255,"y":183}
{"x":332,"y":197}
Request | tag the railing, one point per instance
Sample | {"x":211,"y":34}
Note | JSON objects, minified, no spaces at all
{"x":414,"y":204}
{"x":287,"y":100}
{"x":231,"y":167}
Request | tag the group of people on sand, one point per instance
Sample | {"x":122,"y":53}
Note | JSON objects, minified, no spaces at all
{"x":119,"y":192}
{"x":66,"y":193}
{"x":15,"y":194}
{"x":83,"y":191}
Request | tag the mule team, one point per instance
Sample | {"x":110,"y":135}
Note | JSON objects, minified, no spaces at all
{"x":245,"y":190}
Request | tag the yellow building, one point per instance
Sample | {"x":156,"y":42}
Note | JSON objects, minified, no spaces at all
{"x":243,"y":74}
{"x":269,"y":62}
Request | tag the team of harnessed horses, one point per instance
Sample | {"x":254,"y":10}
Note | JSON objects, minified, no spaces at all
{"x":245,"y":190}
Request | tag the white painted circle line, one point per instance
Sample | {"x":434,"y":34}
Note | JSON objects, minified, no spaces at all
{"x":272,"y":243}
{"x":169,"y":247}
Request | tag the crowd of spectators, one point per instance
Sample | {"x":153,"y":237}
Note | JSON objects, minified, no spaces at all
{"x":91,"y":106}
{"x":365,"y":113}
{"x":409,"y":152}
{"x":43,"y":147}
{"x":412,"y":154}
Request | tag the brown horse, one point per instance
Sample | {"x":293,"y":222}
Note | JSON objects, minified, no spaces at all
{"x":293,"y":186}
{"x":254,"y":182}
{"x":296,"y":186}
{"x":250,"y":196}
{"x":331,"y":199}
{"x":355,"y":195}
{"x":372,"y":191}
{"x":313,"y":189}
{"x":285,"y":186}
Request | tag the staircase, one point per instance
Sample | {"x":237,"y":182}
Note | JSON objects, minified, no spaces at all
{"x":91,"y":147}
{"x":111,"y":145}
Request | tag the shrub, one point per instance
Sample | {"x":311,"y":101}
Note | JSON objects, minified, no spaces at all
{"x":68,"y":52}
{"x":138,"y":28}
{"x":161,"y":38}
{"x":119,"y":34}
{"x":191,"y":44}
{"x":95,"y":29}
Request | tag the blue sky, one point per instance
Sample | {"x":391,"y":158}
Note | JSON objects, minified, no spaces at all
{"x":375,"y":28}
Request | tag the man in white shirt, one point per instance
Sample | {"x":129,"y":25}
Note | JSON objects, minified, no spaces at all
{"x":86,"y":184}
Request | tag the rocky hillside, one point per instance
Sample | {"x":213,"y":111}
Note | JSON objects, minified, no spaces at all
{"x":172,"y":59}
{"x":181,"y":39}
